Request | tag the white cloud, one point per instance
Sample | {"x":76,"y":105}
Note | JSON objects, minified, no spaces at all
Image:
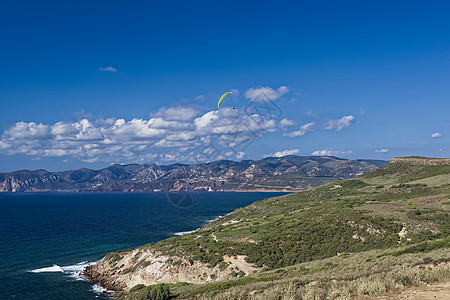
{"x":436,"y":135}
{"x":339,"y":124}
{"x":285,"y":152}
{"x":116,"y":139}
{"x":286,"y":122}
{"x":327,"y":152}
{"x":28,"y":131}
{"x":234,"y":92}
{"x":176,"y":113}
{"x":108,"y":69}
{"x":384,"y":150}
{"x":265,"y":93}
{"x":302,"y":131}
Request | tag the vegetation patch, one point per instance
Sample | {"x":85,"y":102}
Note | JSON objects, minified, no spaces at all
{"x":422,"y":247}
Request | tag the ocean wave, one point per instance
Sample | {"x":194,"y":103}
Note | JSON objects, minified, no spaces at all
{"x":185,"y":232}
{"x":54,"y":268}
{"x":209,"y":221}
{"x":98,"y":289}
{"x":73,"y":271}
{"x":191,"y":231}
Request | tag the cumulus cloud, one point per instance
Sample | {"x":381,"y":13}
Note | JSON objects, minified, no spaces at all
{"x":176,"y":113}
{"x":384,"y":150}
{"x":108,"y":69}
{"x":286,"y":122}
{"x":28,"y":131}
{"x":327,"y":152}
{"x":168,"y":129}
{"x":265,"y":93}
{"x":285,"y":152}
{"x":436,"y":135}
{"x":302,"y":131}
{"x":339,"y":124}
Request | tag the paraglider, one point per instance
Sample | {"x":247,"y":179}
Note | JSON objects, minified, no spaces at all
{"x":221,"y":99}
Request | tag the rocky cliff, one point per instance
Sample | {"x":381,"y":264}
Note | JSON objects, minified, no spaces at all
{"x":424,"y":161}
{"x":125,"y":269}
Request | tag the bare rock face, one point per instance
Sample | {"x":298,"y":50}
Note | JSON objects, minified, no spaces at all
{"x":425,"y":161}
{"x":39,"y":180}
{"x":123,"y":270}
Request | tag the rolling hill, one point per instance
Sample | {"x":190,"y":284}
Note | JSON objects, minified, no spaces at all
{"x":380,"y":233}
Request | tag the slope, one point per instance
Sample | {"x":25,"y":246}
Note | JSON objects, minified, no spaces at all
{"x":382,"y":210}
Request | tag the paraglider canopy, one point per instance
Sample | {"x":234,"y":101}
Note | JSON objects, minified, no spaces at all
{"x":221,"y":98}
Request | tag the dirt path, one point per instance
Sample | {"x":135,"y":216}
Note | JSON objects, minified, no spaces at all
{"x":241,"y":264}
{"x":214,"y":237}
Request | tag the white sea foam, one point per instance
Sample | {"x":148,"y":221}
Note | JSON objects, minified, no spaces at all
{"x":72,"y":270}
{"x":54,"y":268}
{"x":191,"y":231}
{"x":185,"y":232}
{"x":97,"y":288}
{"x":209,"y":221}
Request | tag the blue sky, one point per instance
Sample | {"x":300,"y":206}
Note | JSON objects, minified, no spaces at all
{"x":90,"y":83}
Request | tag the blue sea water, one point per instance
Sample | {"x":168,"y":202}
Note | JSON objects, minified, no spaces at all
{"x":47,"y":238}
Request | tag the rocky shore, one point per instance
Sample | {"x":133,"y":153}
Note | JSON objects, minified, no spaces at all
{"x":120,"y":271}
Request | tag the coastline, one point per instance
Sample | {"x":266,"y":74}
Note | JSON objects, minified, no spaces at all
{"x":91,"y":272}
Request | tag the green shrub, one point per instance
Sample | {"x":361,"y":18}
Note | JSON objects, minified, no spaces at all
{"x":146,"y":264}
{"x":421,"y":248}
{"x":137,"y":287}
{"x":223,"y":265}
{"x":154,"y":292}
{"x":177,"y":263}
{"x":113,"y":257}
{"x":366,"y":286}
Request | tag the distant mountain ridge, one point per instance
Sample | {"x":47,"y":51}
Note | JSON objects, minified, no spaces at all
{"x":289,"y":173}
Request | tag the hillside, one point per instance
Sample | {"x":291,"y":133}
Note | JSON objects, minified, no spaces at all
{"x":289,"y":173}
{"x":384,"y":231}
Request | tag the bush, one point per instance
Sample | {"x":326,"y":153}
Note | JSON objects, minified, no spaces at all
{"x":369,"y":287}
{"x":154,"y":292}
{"x":137,"y":287}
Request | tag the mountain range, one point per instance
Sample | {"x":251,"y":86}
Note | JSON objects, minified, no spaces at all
{"x":289,"y":173}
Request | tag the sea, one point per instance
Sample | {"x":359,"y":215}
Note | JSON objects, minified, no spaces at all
{"x":47,"y":239}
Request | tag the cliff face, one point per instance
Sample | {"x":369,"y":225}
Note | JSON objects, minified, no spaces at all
{"x":423,"y":161}
{"x":39,"y":180}
{"x":123,"y":270}
{"x":290,"y":173}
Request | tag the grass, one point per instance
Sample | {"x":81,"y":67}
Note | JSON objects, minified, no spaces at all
{"x":422,"y":247}
{"x":354,"y":272}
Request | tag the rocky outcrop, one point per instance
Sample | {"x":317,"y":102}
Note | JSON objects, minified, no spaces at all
{"x":39,"y":180}
{"x":123,"y":270}
{"x":425,"y":161}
